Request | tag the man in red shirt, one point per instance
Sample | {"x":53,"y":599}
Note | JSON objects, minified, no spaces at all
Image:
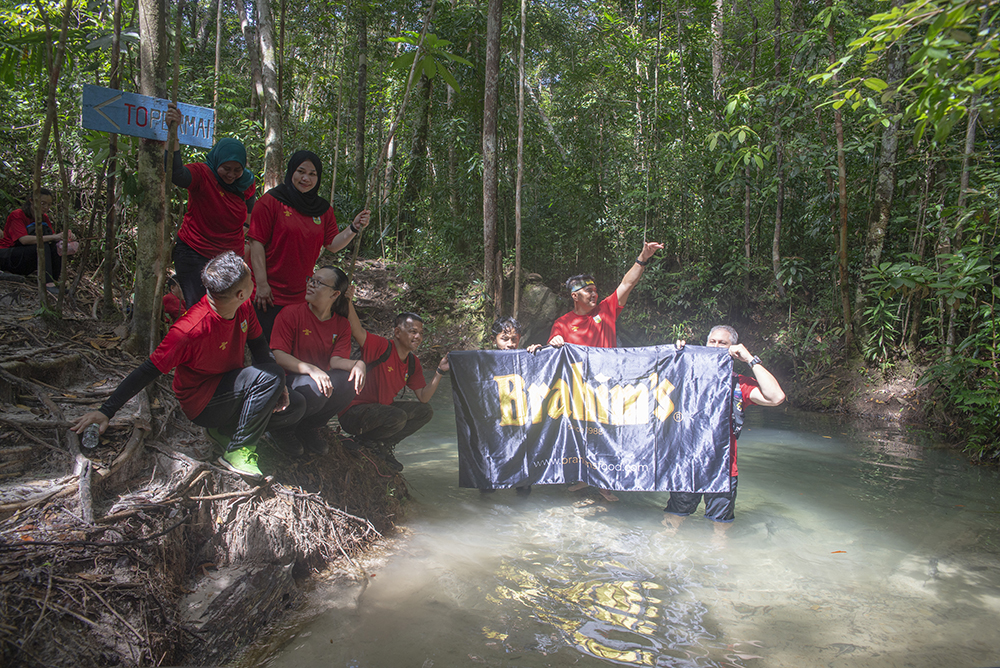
{"x":592,"y":323}
{"x":236,"y":404}
{"x":375,"y":417}
{"x":760,"y":390}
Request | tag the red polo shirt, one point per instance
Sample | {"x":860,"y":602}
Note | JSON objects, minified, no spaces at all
{"x":298,"y":332}
{"x":214,"y":220}
{"x":595,"y":329}
{"x":384,"y":382}
{"x":203,"y":346}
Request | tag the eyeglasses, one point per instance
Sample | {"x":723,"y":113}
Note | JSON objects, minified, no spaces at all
{"x":315,"y":281}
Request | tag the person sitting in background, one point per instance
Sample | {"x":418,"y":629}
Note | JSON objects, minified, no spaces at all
{"x":18,"y":246}
{"x":290,"y":226}
{"x":173,"y":301}
{"x":761,"y":390}
{"x":312,"y":343}
{"x":375,"y":417}
{"x":236,"y":404}
{"x":221,"y":193}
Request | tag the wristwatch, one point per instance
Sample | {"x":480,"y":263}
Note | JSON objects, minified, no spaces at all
{"x":754,"y":362}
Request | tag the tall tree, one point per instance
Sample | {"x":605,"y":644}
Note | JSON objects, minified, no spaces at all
{"x":359,"y":130}
{"x":274,"y":162}
{"x":520,"y":160}
{"x":150,"y":176}
{"x":111,"y":196}
{"x":490,"y":106}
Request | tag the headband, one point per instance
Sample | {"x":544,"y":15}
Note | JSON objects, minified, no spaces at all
{"x":580,"y":284}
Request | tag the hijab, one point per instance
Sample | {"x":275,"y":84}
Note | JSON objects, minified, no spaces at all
{"x":226,"y":150}
{"x":308,"y":203}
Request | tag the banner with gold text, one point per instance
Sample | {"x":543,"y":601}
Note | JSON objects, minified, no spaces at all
{"x":627,"y":419}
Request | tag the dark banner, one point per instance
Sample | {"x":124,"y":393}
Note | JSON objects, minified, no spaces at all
{"x":628,"y":419}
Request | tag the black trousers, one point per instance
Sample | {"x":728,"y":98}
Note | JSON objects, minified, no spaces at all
{"x":266,"y":318}
{"x":23,"y":260}
{"x":319,"y":408}
{"x":243,"y":405}
{"x":188,"y":264}
{"x":389,"y":424}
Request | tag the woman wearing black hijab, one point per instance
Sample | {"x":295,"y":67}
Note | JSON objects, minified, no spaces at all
{"x":289,"y":227}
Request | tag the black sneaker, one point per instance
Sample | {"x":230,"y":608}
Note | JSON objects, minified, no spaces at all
{"x":287,"y":443}
{"x":388,"y":454}
{"x":313,"y":442}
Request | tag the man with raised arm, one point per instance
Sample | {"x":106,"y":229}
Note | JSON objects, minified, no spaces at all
{"x":593,"y":322}
{"x":236,"y":404}
{"x":375,"y":417}
{"x":761,"y":390}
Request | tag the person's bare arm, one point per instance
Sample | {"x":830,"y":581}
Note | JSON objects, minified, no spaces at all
{"x":357,"y":330}
{"x":769,"y":392}
{"x":357,"y":368}
{"x":633,"y":275}
{"x":425,"y":393}
{"x":293,"y":364}
{"x":345,"y":235}
{"x":264,"y":298}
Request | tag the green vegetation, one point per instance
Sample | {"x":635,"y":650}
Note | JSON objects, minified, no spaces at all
{"x":828,"y":166}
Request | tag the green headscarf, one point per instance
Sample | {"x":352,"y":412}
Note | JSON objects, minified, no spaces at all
{"x":225,"y":150}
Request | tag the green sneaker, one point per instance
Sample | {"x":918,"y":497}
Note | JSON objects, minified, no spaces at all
{"x":218,"y":438}
{"x":242,"y":461}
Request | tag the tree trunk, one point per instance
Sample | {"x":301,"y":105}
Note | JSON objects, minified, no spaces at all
{"x":54,"y":62}
{"x":884,"y":189}
{"x":716,"y":50}
{"x":520,"y":161}
{"x":111,"y":199}
{"x":253,"y":50}
{"x":281,"y":58}
{"x":218,"y":52}
{"x":490,"y":105}
{"x":214,"y":7}
{"x":406,"y":219}
{"x":359,"y":137}
{"x":779,"y":208}
{"x":838,"y":124}
{"x":274,"y":162}
{"x":150,"y":176}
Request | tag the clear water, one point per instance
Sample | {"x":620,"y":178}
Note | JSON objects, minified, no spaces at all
{"x":850,"y":548}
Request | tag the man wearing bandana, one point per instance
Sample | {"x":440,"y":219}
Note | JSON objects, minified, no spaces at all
{"x":591,"y":323}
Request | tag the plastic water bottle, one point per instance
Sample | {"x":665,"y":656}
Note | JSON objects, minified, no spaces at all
{"x":91,"y":436}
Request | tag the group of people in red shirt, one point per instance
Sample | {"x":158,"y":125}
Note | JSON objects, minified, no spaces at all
{"x":297,"y":322}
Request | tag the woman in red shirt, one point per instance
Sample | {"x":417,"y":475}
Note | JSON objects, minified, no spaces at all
{"x":311,"y":341}
{"x":221,"y":193}
{"x":289,"y":227}
{"x":18,"y":247}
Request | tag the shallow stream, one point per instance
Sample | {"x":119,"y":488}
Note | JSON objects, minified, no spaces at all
{"x":850,"y":548}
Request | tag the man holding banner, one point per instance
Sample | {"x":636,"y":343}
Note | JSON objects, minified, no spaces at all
{"x":761,"y":390}
{"x":593,"y":324}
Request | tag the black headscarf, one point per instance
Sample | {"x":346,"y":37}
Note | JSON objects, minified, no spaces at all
{"x":309,"y":203}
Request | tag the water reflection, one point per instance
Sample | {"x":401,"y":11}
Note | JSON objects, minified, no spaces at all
{"x":850,"y":549}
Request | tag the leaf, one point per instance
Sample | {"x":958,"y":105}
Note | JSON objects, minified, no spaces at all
{"x":429,"y":65}
{"x":759,"y":161}
{"x":876,"y":85}
{"x":448,"y":78}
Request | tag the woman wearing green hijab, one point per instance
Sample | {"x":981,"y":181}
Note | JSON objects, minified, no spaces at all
{"x":221,"y":193}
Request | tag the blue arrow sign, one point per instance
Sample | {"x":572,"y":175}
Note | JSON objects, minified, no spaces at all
{"x":109,"y":110}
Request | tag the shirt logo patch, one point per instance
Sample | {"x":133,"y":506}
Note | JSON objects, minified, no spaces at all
{"x":597,"y":320}
{"x":307,"y":332}
{"x":575,"y":328}
{"x":334,"y":339}
{"x":243,"y":326}
{"x":316,"y":219}
{"x":388,"y":369}
{"x":287,"y":213}
{"x":223,"y":345}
